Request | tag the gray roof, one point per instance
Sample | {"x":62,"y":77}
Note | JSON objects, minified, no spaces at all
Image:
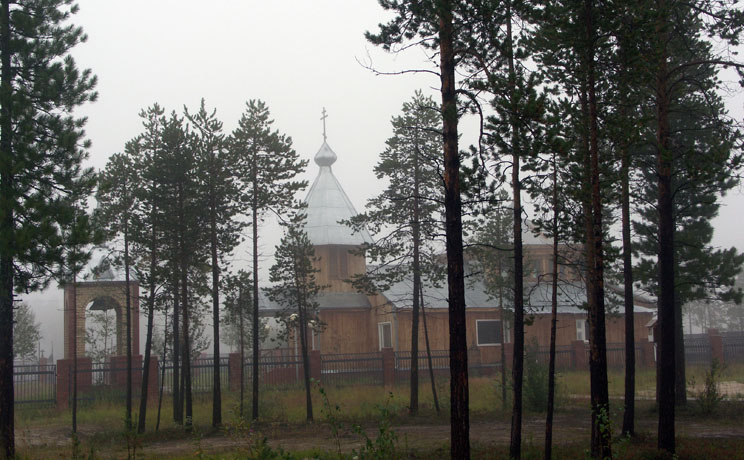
{"x":571,"y":297}
{"x":326,"y":301}
{"x":327,"y":204}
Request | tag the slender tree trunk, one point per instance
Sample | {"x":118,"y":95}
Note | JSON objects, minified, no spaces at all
{"x":150,"y":323}
{"x":601,"y":435}
{"x":74,"y":353}
{"x":416,"y":230}
{"x":515,"y":444}
{"x":188,"y":420}
{"x":428,"y":352}
{"x":241,"y":310}
{"x":503,"y":332}
{"x":553,"y":320}
{"x":146,"y":365}
{"x":176,"y":377}
{"x":7,"y":229}
{"x":680,"y":377}
{"x":667,"y":306}
{"x":216,"y":390}
{"x":305,"y":360}
{"x":459,"y":415}
{"x":186,"y":355}
{"x":162,"y":368}
{"x":628,"y":428}
{"x":128,"y":301}
{"x":254,"y":209}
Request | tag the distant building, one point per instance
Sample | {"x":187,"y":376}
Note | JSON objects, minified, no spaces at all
{"x":359,"y":323}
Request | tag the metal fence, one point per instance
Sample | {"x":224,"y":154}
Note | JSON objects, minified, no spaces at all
{"x":563,"y":356}
{"x":35,"y":384}
{"x":697,"y":349}
{"x":354,"y":369}
{"x":733,"y":347}
{"x":202,"y":375}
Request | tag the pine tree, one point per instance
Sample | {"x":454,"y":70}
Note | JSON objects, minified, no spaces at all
{"x":267,"y":169}
{"x":405,"y":217}
{"x":220,"y":193}
{"x":184,"y":214}
{"x":296,"y":290}
{"x":238,"y":311}
{"x":435,"y":26}
{"x":41,"y":151}
{"x":116,"y":202}
{"x":492,"y":249}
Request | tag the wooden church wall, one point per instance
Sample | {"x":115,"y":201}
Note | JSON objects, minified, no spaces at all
{"x":337,"y":264}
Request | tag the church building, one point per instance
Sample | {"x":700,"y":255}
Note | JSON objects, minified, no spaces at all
{"x":354,"y":322}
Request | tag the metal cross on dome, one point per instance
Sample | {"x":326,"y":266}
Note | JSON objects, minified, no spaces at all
{"x":323,"y":118}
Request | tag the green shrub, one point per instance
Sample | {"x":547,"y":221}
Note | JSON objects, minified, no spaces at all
{"x":710,"y":397}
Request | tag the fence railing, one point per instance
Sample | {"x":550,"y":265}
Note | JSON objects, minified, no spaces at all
{"x":50,"y":383}
{"x":35,"y":384}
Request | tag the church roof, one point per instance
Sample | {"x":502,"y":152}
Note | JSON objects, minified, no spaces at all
{"x":327,"y":204}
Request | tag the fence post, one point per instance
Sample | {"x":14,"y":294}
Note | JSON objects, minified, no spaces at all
{"x":64,"y":376}
{"x":153,"y":379}
{"x":388,"y":367}
{"x":508,"y":355}
{"x":578,"y":355}
{"x":233,"y":371}
{"x":649,"y":359}
{"x":315,"y":365}
{"x":716,"y":345}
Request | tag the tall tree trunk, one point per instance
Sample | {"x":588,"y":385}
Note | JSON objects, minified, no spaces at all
{"x":176,"y":379}
{"x":254,"y":209}
{"x":186,"y":355}
{"x":667,"y":306}
{"x":241,"y":311}
{"x":186,"y":362}
{"x":162,"y":367}
{"x":128,"y":302}
{"x":504,"y":331}
{"x":74,"y":353}
{"x":416,"y":230}
{"x":459,"y":415}
{"x":515,"y":443}
{"x":428,"y":352}
{"x":146,"y":364}
{"x":216,"y":390}
{"x":150,"y":323}
{"x":305,"y":360}
{"x":680,"y":377}
{"x":553,"y":320}
{"x":628,"y":428}
{"x":601,"y":435}
{"x":7,"y":229}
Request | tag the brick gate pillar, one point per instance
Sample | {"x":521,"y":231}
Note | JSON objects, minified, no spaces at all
{"x":388,"y":367}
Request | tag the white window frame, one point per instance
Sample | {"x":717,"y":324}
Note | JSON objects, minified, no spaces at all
{"x":507,"y":331}
{"x":582,"y":330}
{"x":381,"y":335}
{"x":477,"y":336}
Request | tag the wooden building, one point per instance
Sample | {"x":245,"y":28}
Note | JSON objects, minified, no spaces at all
{"x":359,"y":323}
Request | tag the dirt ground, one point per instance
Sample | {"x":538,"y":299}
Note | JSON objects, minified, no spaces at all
{"x":569,"y":426}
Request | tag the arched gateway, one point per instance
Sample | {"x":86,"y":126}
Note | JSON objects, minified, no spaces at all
{"x":102,"y":295}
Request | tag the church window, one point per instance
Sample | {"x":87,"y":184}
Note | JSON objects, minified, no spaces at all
{"x":385,"y":332}
{"x":582,"y":330}
{"x":488,"y":332}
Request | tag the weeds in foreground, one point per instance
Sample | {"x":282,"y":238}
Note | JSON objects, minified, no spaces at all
{"x":710,"y":397}
{"x":331,"y":414}
{"x":384,"y":446}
